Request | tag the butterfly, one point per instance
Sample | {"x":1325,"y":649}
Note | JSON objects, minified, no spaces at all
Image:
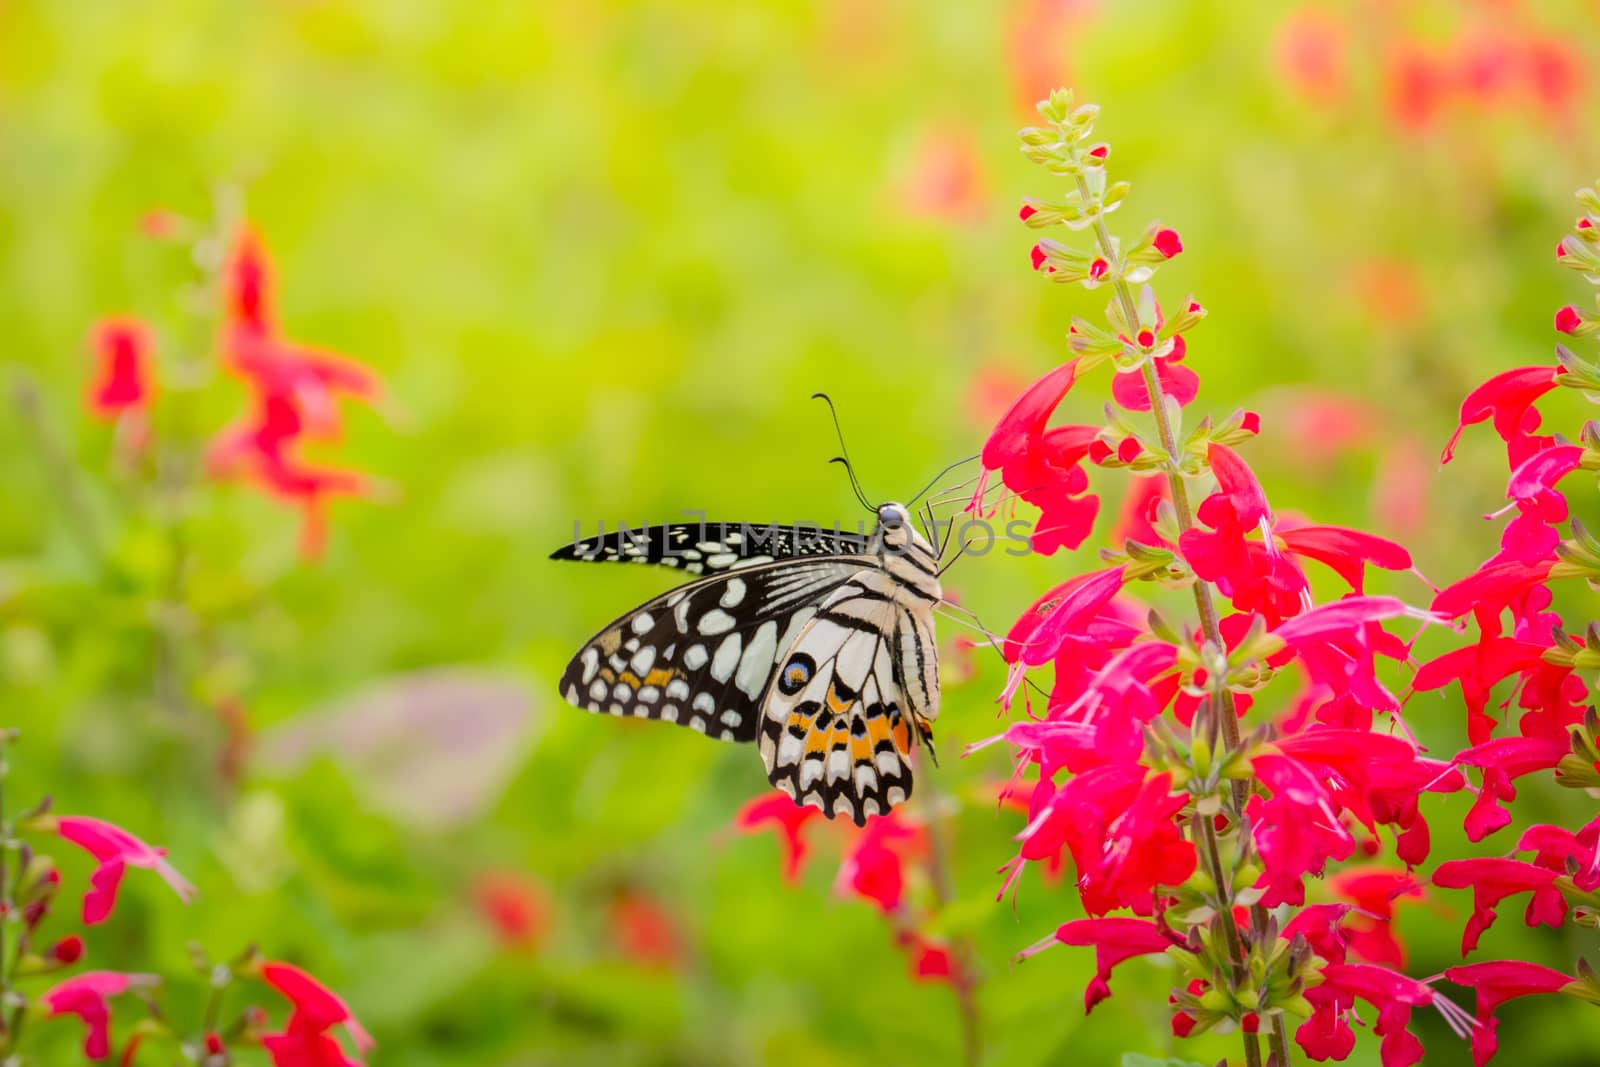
{"x":816,"y":645}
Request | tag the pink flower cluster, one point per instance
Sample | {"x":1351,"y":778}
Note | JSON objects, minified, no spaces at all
{"x":1204,"y":809}
{"x":305,"y":1040}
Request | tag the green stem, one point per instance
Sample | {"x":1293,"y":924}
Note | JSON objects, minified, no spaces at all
{"x":1225,"y":711}
{"x":961,"y":947}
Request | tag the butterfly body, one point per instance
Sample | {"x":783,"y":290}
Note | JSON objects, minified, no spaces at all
{"x":817,"y":646}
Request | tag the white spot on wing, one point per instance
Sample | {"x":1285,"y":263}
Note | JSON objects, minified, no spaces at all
{"x":732,"y":592}
{"x":591,"y":663}
{"x":643,"y":660}
{"x":642,"y":622}
{"x":731,"y":717}
{"x":756,"y":665}
{"x":704,"y":704}
{"x":789,"y":751}
{"x":716,"y":621}
{"x":726,"y":659}
{"x":678,"y":689}
{"x":696,"y":657}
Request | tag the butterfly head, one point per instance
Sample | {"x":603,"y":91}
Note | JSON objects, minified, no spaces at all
{"x":895,"y":532}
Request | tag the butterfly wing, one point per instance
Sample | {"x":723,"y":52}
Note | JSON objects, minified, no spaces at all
{"x":702,"y":655}
{"x":711,"y":547}
{"x":843,"y":714}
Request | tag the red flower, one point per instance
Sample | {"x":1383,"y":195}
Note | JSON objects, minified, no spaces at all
{"x":1374,"y":892}
{"x":1027,"y":212}
{"x":931,"y":960}
{"x":1508,"y":400}
{"x":124,"y":379}
{"x":305,"y":1041}
{"x":514,"y":907}
{"x":1115,"y":941}
{"x":1178,"y":382}
{"x":1327,"y":1034}
{"x":786,"y":818}
{"x":1568,"y":320}
{"x":296,"y":391}
{"x":116,"y":850}
{"x":88,"y":997}
{"x":67,"y":950}
{"x":1167,"y":242}
{"x":1497,"y":981}
{"x":1042,"y":465}
{"x":1098,"y":268}
{"x":874,"y":864}
{"x":1502,"y":760}
{"x":1491,"y":880}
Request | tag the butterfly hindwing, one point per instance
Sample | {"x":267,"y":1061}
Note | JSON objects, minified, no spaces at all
{"x":702,"y":655}
{"x":712,"y":547}
{"x":842,"y":715}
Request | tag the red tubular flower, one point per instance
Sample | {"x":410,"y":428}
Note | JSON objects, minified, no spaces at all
{"x":1167,"y":242}
{"x":1491,"y":880}
{"x":1479,"y":667}
{"x":305,"y":1041}
{"x":930,"y":960}
{"x":1115,"y":941}
{"x":1495,"y":982}
{"x":1554,"y":847}
{"x":874,"y":864}
{"x":1508,"y":400}
{"x":1502,"y":760}
{"x":124,"y":378}
{"x":787,"y":819}
{"x":88,"y":997}
{"x":1178,"y":383}
{"x":1327,"y":1034}
{"x":67,"y":950}
{"x":1375,"y":892}
{"x":116,"y":850}
{"x":1568,"y":320}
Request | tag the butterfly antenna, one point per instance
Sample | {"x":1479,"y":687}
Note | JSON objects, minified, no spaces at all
{"x":855,"y":483}
{"x":941,"y":474}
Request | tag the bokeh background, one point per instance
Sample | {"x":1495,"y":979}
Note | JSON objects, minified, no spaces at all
{"x":600,"y":253}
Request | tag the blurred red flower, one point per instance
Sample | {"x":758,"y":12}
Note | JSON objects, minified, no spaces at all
{"x":295,"y":394}
{"x":514,"y":906}
{"x":645,"y":932}
{"x":124,"y":378}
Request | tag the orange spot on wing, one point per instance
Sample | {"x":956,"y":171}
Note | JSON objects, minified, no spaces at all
{"x":836,"y":703}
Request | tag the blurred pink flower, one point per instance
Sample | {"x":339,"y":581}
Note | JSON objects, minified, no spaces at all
{"x":88,"y":996}
{"x":305,"y":1041}
{"x":514,"y":906}
{"x":1309,"y":55}
{"x":116,"y":850}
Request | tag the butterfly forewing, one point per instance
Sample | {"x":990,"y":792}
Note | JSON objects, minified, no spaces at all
{"x":703,"y":655}
{"x":711,"y":547}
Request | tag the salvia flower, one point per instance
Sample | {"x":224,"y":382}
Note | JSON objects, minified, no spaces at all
{"x":116,"y":850}
{"x":88,"y":996}
{"x":315,"y":1010}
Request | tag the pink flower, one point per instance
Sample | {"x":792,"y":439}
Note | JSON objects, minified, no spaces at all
{"x":116,"y":850}
{"x":1098,"y":268}
{"x":1502,"y":760}
{"x":88,"y":997}
{"x":1178,"y":382}
{"x":1491,"y":880}
{"x":305,"y":1041}
{"x":1115,"y":941}
{"x":787,"y":819}
{"x":1167,"y":242}
{"x":1568,"y":320}
{"x":1497,"y":981}
{"x":124,"y":378}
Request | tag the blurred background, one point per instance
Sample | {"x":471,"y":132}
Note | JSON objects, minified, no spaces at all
{"x":599,"y":254}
